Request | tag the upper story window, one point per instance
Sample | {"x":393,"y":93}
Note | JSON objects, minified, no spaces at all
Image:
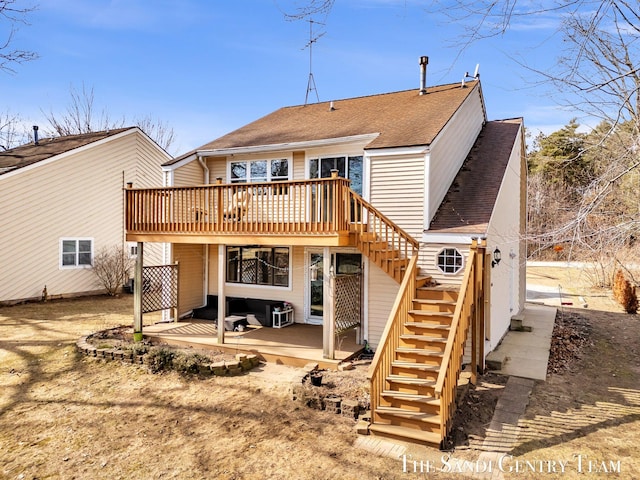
{"x":76,"y":252}
{"x":255,"y":171}
{"x":348,"y":167}
{"x":450,"y":260}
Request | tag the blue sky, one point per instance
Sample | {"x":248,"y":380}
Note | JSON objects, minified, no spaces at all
{"x":207,"y":67}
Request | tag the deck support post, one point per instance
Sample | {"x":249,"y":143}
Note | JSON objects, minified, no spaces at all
{"x":328,"y":320}
{"x":222,"y":264}
{"x":137,"y":293}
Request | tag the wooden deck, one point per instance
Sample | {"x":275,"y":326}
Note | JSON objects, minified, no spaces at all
{"x":295,"y":345}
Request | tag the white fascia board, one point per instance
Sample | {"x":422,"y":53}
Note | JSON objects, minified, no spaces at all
{"x":450,"y":238}
{"x":396,"y":151}
{"x":288,"y":146}
{"x":60,"y":156}
{"x":181,"y":163}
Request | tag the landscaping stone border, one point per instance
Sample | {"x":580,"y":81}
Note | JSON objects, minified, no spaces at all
{"x":243,"y":362}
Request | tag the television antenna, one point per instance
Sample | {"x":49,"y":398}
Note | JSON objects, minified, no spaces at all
{"x":311,"y":84}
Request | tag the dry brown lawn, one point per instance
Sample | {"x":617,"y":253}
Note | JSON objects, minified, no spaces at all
{"x":65,"y":416}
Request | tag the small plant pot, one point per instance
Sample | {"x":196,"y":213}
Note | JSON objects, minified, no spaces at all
{"x":316,"y":379}
{"x":137,"y":336}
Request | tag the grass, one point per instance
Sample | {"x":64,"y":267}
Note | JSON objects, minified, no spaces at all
{"x":66,"y":416}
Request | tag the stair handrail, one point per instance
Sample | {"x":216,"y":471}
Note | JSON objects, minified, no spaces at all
{"x":390,"y":339}
{"x":452,"y":357}
{"x":353,"y":216}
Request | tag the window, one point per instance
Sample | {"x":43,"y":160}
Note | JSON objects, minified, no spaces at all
{"x":254,"y":171}
{"x":348,"y":167}
{"x":76,"y":252}
{"x":132,"y":250}
{"x":258,"y":266}
{"x":450,"y":260}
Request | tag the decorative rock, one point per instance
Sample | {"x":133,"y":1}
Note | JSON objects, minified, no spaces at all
{"x":362,"y":427}
{"x":350,"y":408}
{"x":332,"y":404}
{"x":345,"y":366}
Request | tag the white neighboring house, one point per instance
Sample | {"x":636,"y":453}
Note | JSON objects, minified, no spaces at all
{"x":62,"y":201}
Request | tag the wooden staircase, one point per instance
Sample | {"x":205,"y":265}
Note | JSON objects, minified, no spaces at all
{"x":419,"y":359}
{"x":408,"y":407}
{"x":415,"y":371}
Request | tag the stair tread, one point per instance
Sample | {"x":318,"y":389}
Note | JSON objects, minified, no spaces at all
{"x":411,"y":380}
{"x":430,"y":313}
{"x":420,"y":351}
{"x":417,"y":366}
{"x":423,"y":338}
{"x":431,"y":301}
{"x":411,"y":396}
{"x":406,"y":432}
{"x":432,"y":326}
{"x":401,"y":412}
{"x":442,"y":288}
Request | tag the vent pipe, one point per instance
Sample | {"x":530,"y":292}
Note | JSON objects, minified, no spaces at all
{"x":35,"y":134}
{"x":424,"y":61}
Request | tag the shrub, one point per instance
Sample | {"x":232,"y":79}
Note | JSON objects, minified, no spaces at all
{"x":187,"y":363}
{"x":625,"y":293}
{"x":160,"y":359}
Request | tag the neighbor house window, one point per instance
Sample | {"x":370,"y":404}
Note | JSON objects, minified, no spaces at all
{"x":254,"y":171}
{"x":76,"y":252}
{"x":450,"y":260}
{"x":258,"y":266}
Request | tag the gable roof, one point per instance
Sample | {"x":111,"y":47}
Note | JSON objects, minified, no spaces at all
{"x":468,"y":205}
{"x":29,"y":154}
{"x":400,"y":119}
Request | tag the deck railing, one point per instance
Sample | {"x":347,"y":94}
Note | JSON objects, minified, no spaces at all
{"x":463,"y":317}
{"x":381,"y":365}
{"x":290,"y":207}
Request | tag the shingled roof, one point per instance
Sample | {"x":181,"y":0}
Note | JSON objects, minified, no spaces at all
{"x":46,"y":148}
{"x":400,"y":119}
{"x":469,"y":203}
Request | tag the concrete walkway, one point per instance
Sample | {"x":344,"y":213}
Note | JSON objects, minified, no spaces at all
{"x":526,"y":353}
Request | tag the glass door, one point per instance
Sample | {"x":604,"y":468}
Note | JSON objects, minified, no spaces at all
{"x":315,"y":288}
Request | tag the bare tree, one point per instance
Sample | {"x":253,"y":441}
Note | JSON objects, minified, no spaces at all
{"x":10,"y":131}
{"x":112,"y":266}
{"x":12,"y":14}
{"x":82,"y":116}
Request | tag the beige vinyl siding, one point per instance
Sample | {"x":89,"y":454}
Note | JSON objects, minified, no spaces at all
{"x":217,"y":169}
{"x":191,"y":275}
{"x":77,"y":195}
{"x":507,"y":289}
{"x":188,"y":175}
{"x":381,"y":296}
{"x":397,"y":190}
{"x":450,"y":149}
{"x":294,"y":294}
{"x":428,"y":262}
{"x":298,"y":166}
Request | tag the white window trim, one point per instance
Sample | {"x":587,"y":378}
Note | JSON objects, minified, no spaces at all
{"x":289,"y":287}
{"x":76,"y":239}
{"x":288,"y":158}
{"x":462,"y":265}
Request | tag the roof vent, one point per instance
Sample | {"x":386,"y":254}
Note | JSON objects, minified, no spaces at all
{"x":35,"y":134}
{"x":331,"y":106}
{"x":424,"y":61}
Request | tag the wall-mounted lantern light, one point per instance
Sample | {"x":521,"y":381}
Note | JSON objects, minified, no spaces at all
{"x":497,"y":256}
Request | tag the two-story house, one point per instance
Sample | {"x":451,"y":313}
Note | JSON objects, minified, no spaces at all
{"x":400,"y":215}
